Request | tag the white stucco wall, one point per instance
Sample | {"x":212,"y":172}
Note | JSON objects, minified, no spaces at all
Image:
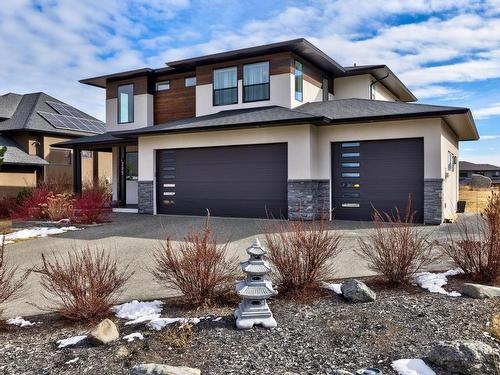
{"x":449,"y":142}
{"x":143,"y":113}
{"x":352,"y":87}
{"x":380,"y":92}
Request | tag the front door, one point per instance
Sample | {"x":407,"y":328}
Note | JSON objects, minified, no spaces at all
{"x":131,"y":175}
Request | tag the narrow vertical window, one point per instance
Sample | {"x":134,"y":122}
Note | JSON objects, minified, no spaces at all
{"x":256,"y":82}
{"x":325,"y":89}
{"x":125,"y":103}
{"x":299,"y":81}
{"x":225,"y":86}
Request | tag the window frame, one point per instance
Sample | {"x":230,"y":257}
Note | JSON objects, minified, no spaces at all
{"x":131,"y":116}
{"x":301,"y":77}
{"x":190,"y":77}
{"x":227,"y":88}
{"x":126,"y":163}
{"x":159,"y":83}
{"x":268,"y":81}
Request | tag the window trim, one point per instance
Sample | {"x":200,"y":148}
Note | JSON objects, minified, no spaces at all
{"x":195,"y":81}
{"x":295,"y":80}
{"x":131,"y":118}
{"x":268,"y":82}
{"x":164,"y":82}
{"x":227,"y":88}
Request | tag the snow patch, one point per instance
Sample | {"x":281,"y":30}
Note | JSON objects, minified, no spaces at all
{"x":20,"y":322}
{"x":334,"y":287}
{"x":35,"y":232}
{"x":218,"y":319}
{"x":138,"y":311}
{"x":72,"y":361}
{"x":134,"y":336}
{"x":434,"y":282}
{"x":413,"y":366}
{"x":160,"y":323}
{"x":71,"y":341}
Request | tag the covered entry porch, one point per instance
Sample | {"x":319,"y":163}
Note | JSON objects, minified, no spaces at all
{"x":124,"y":180}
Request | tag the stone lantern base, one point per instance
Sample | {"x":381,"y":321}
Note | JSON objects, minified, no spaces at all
{"x":254,"y":312}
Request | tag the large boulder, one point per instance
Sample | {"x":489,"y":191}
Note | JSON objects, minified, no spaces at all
{"x":466,"y":357}
{"x":480,"y":181}
{"x":357,"y":291}
{"x":104,"y":333}
{"x":480,"y":291}
{"x":157,"y":369}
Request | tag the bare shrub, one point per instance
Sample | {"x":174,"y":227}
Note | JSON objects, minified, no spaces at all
{"x":197,"y":266}
{"x":9,"y":284}
{"x":59,"y":206}
{"x":82,"y":286}
{"x":303,"y":255}
{"x":396,"y":248}
{"x":477,"y":249}
{"x":177,"y":335}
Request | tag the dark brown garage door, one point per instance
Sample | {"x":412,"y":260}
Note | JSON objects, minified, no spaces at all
{"x":236,"y":181}
{"x":377,"y":174}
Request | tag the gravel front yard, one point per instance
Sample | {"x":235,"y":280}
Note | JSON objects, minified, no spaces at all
{"x":310,"y":339}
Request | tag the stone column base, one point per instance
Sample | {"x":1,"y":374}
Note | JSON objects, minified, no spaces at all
{"x":145,"y":197}
{"x":433,"y":201}
{"x":308,"y":199}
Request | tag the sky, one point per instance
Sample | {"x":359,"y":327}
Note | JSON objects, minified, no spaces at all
{"x":446,"y":52}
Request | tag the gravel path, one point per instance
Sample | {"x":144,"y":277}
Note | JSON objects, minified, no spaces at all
{"x":310,"y":339}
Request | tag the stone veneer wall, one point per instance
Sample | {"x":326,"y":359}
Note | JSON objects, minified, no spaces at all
{"x":145,"y":198}
{"x":308,"y":199}
{"x":433,"y":200}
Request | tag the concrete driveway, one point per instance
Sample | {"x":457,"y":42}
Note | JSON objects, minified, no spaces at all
{"x":134,"y":237}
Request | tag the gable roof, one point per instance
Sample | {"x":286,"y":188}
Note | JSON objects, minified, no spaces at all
{"x":468,"y":166}
{"x":15,"y":155}
{"x":26,"y":114}
{"x":8,"y":104}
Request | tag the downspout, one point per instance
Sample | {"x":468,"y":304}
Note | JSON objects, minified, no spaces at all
{"x":373,"y":84}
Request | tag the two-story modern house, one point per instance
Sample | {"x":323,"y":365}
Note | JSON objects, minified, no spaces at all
{"x":280,"y":130}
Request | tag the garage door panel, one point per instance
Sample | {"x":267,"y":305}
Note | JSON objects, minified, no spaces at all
{"x":389,"y":170}
{"x":239,"y":181}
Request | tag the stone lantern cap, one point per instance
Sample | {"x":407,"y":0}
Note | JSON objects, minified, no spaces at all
{"x":250,"y":267}
{"x":261,"y":290}
{"x":256,"y":249}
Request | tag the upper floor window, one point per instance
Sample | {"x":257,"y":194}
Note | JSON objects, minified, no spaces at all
{"x":190,"y":81}
{"x":325,"y":89}
{"x":256,"y":82}
{"x":126,"y":103}
{"x":163,"y":85}
{"x":299,"y":81}
{"x":225,"y":86}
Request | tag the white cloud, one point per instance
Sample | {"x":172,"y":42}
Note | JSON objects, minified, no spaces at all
{"x":489,"y":137}
{"x":487,"y":112}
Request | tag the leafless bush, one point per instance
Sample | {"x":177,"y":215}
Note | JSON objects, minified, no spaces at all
{"x":82,"y":286}
{"x":9,"y":284}
{"x":177,"y":335}
{"x":303,"y":255}
{"x":396,"y":248}
{"x":197,"y":266}
{"x":477,"y":251}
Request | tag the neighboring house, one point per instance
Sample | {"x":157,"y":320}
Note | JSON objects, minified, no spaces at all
{"x":280,"y":130}
{"x":29,"y":125}
{"x":467,"y":169}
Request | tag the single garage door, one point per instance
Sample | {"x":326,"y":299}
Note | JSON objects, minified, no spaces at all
{"x":237,"y":181}
{"x":377,"y":174}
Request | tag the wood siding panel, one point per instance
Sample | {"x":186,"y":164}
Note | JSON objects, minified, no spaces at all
{"x":177,"y":103}
{"x":140,"y":86}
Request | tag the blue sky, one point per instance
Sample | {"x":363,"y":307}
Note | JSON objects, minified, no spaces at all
{"x":447,"y":52}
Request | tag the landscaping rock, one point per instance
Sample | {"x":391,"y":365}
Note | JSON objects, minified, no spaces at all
{"x":157,"y":369}
{"x":480,"y":291}
{"x":480,"y":181}
{"x":495,"y":326}
{"x":104,"y":333}
{"x":466,"y":357}
{"x":341,"y":372}
{"x":122,"y":352}
{"x":357,"y":291}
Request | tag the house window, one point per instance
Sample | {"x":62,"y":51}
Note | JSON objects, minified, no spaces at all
{"x":350,"y":144}
{"x":163,"y":86}
{"x":350,"y":205}
{"x":190,"y":81}
{"x":325,"y":89}
{"x":350,"y":154}
{"x":131,"y":166}
{"x":350,"y":174}
{"x":350,"y":165}
{"x":256,"y":82}
{"x":452,"y":160}
{"x":299,"y":81}
{"x":59,"y":156}
{"x":225,"y":86}
{"x":126,"y":103}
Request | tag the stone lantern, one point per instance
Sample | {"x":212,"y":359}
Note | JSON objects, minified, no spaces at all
{"x":254,"y":291}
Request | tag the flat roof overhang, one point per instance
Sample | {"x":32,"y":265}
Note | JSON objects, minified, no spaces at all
{"x":97,"y":142}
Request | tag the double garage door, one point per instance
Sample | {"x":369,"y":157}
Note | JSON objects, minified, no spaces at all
{"x":238,"y":181}
{"x":377,"y":174}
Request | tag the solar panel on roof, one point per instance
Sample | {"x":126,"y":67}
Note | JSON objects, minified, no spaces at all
{"x":60,"y":121}
{"x":67,"y":110}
